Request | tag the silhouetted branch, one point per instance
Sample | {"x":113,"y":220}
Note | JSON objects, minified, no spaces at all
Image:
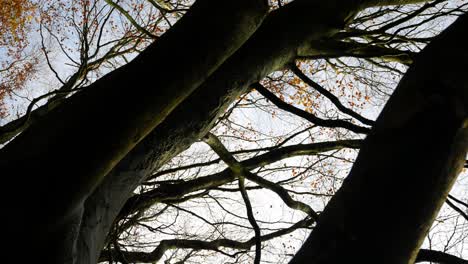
{"x":306,"y":115}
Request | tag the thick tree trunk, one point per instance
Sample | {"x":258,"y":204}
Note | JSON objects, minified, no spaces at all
{"x":269,"y":49}
{"x":59,"y":161}
{"x":406,"y":166}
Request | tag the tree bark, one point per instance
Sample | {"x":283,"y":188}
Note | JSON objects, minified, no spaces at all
{"x":72,"y":148}
{"x":406,"y":166}
{"x":272,"y":47}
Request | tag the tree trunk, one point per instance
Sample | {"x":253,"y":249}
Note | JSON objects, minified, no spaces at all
{"x":269,"y":49}
{"x":406,"y":166}
{"x":60,"y":160}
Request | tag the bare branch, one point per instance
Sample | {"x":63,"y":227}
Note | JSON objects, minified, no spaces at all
{"x":433,"y":256}
{"x":306,"y":115}
{"x":236,"y":168}
{"x":335,"y":100}
{"x":165,"y":245}
{"x":454,"y":207}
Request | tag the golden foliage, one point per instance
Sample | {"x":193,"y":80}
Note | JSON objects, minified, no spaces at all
{"x":14,"y":16}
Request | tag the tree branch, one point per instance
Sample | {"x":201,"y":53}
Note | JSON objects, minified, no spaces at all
{"x":130,"y":19}
{"x":176,"y":191}
{"x":333,"y":49}
{"x":240,"y":172}
{"x":377,"y":3}
{"x":165,"y":245}
{"x":306,"y":115}
{"x":433,"y":256}
{"x":283,"y":194}
{"x":335,"y":100}
{"x":454,"y":207}
{"x":458,"y":200}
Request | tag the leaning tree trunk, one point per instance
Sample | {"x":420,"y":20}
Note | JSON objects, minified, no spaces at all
{"x":60,"y":160}
{"x":272,"y":47}
{"x":405,"y":168}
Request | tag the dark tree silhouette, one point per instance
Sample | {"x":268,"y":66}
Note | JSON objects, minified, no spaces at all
{"x":76,"y":161}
